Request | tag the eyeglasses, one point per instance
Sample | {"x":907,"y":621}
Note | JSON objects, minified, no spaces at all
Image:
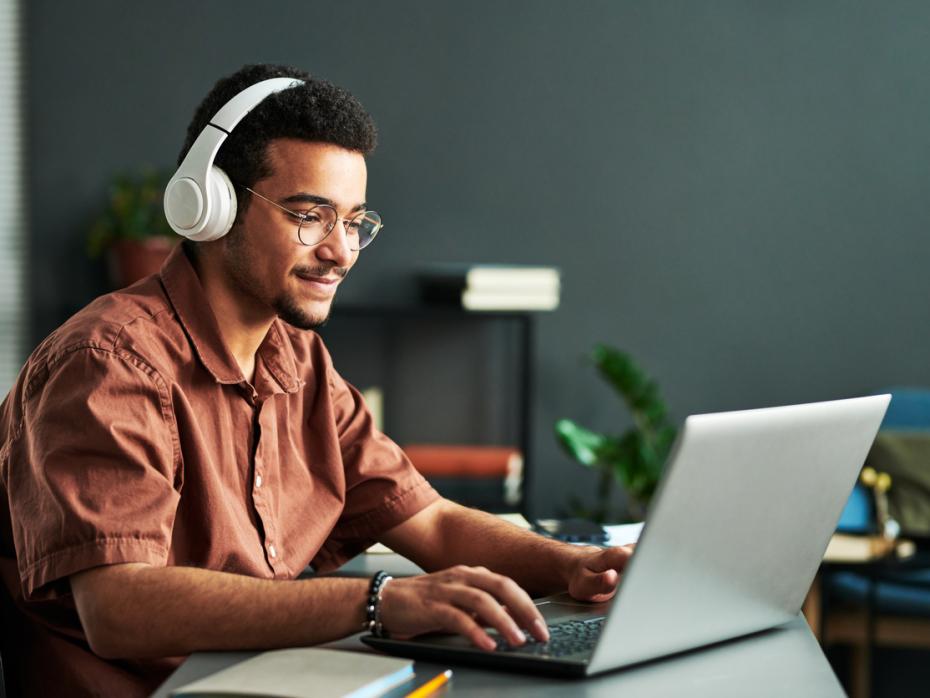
{"x":315,"y":224}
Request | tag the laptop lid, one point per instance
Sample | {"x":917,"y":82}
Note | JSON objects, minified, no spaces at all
{"x":738,"y":527}
{"x":735,"y":534}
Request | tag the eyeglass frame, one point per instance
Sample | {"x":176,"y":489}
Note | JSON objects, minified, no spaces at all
{"x":301,"y":217}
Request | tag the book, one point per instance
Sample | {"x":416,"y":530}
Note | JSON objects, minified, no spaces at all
{"x":465,"y":461}
{"x":471,"y":463}
{"x":491,"y":287}
{"x":305,"y":672}
{"x":478,"y":300}
{"x":508,"y":300}
{"x":493,"y":277}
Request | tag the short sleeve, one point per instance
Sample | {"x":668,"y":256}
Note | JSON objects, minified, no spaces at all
{"x":383,"y":489}
{"x":92,"y":472}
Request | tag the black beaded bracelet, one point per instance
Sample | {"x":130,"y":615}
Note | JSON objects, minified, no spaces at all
{"x":373,"y":607}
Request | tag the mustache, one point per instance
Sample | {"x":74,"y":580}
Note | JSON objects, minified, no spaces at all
{"x":321,"y":271}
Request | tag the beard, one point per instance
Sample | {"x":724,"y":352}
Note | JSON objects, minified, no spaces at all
{"x":287,"y":307}
{"x":289,"y":310}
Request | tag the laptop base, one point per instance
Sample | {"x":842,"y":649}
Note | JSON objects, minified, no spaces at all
{"x":464,"y":653}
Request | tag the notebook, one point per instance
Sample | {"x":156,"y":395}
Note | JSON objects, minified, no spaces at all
{"x":305,"y":672}
{"x":734,"y":536}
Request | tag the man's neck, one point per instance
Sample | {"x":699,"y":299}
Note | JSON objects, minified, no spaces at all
{"x":243,"y":328}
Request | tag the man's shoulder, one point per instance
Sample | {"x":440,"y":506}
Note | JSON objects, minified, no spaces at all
{"x":137,"y":322}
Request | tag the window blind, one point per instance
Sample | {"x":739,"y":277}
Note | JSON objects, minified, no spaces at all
{"x":12,"y":208}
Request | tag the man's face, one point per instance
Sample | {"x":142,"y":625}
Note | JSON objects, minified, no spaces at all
{"x":268,"y":267}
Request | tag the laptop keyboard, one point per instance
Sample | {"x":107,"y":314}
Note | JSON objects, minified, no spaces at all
{"x":572,"y":637}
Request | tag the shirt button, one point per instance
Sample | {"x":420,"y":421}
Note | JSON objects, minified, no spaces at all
{"x":258,"y":480}
{"x":272,"y":552}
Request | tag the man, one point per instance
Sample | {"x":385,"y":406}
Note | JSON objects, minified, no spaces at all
{"x":178,"y":452}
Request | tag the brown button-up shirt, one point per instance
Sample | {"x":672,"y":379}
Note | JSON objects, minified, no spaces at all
{"x":132,"y":436}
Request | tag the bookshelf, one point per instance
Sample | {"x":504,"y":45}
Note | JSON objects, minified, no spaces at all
{"x":446,"y":375}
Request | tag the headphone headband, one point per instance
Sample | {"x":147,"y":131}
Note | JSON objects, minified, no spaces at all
{"x":200,"y":202}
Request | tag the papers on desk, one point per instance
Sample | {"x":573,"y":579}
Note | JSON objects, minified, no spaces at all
{"x":305,"y":672}
{"x":623,"y":534}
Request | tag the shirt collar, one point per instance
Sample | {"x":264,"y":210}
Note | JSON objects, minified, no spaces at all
{"x":186,"y":295}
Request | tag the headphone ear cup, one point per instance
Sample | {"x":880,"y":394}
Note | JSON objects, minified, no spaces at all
{"x":184,"y":205}
{"x":222,"y":204}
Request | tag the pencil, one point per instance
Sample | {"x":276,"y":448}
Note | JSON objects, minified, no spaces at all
{"x":431,"y":686}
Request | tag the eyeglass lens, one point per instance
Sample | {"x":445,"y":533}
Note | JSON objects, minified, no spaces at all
{"x":319,"y":222}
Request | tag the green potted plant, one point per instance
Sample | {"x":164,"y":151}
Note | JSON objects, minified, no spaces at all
{"x":634,"y":458}
{"x":132,"y":230}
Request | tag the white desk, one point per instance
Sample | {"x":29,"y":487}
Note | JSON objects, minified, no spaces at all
{"x":785,"y":661}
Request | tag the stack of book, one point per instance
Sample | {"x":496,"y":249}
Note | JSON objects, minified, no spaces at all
{"x":492,"y":287}
{"x":458,"y":472}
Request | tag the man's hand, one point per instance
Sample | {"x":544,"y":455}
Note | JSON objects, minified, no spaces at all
{"x":461,"y":600}
{"x":594,"y":577}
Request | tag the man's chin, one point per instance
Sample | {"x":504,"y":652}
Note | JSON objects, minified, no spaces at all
{"x":304,"y":318}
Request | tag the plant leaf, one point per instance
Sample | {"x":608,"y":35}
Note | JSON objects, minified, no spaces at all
{"x":582,"y":444}
{"x":634,"y":459}
{"x":134,"y":211}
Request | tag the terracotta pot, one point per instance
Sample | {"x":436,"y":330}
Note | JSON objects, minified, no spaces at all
{"x":131,"y":260}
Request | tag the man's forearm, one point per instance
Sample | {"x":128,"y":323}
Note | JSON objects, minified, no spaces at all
{"x":450,"y":534}
{"x":142,"y":611}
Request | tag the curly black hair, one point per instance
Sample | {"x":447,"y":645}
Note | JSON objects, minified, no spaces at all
{"x":315,"y":111}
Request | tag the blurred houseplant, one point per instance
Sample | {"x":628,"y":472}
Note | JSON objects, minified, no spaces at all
{"x":635,"y":458}
{"x":132,"y":230}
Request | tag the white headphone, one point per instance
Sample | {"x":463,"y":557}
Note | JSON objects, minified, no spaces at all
{"x":200,"y":202}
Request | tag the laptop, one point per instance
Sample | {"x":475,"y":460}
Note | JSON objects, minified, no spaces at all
{"x":734,"y":537}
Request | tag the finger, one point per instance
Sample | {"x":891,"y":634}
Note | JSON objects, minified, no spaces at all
{"x":595,"y":588}
{"x":601,"y":583}
{"x":609,"y":559}
{"x":489,"y":611}
{"x":453,"y":620}
{"x":509,"y":594}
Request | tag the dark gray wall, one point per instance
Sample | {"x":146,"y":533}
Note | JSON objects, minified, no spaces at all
{"x":735,"y":191}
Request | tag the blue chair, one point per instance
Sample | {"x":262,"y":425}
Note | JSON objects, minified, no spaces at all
{"x":909,"y":410}
{"x":884,"y":603}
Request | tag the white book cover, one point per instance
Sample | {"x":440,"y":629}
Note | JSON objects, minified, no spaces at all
{"x":305,"y":672}
{"x":482,"y":300}
{"x":515,"y":277}
{"x":493,"y":276}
